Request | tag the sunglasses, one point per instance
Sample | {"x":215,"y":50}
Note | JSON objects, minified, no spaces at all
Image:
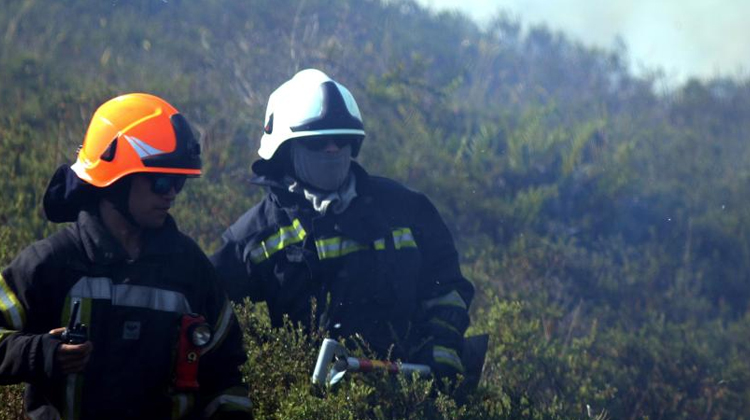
{"x":317,"y":144}
{"x":162,"y":183}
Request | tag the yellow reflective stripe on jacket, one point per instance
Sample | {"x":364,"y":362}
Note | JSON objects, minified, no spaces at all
{"x":402,"y":238}
{"x":10,"y":307}
{"x":287,"y":235}
{"x":339,"y":246}
{"x":447,"y":356}
{"x":450,"y":299}
{"x":233,"y":399}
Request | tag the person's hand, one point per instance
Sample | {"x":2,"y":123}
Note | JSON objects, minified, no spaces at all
{"x":71,"y":358}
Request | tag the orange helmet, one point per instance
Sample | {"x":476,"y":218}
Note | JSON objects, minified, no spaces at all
{"x":136,"y":133}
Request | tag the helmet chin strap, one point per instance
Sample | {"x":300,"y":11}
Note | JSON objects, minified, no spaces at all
{"x":119,"y":195}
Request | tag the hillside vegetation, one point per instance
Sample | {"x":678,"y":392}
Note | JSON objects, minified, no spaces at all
{"x":606,"y":225}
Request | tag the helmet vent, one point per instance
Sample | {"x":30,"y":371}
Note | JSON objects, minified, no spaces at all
{"x":109,"y":154}
{"x":268,"y":129}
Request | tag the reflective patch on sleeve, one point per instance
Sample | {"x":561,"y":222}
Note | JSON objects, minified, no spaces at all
{"x":11,"y":308}
{"x":287,"y":235}
{"x":450,"y":299}
{"x":403,"y":238}
{"x":447,"y":356}
{"x":233,"y":399}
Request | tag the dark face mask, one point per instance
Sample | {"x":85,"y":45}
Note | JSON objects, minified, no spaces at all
{"x":321,"y":169}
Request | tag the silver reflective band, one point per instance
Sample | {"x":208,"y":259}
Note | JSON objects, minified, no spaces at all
{"x":10,"y":307}
{"x":450,"y":299}
{"x":236,"y":400}
{"x":130,"y":295}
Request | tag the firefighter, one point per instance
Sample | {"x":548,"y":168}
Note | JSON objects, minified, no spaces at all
{"x":156,"y":335}
{"x":375,"y":256}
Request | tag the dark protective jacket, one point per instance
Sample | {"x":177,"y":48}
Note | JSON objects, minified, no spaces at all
{"x":385,"y":268}
{"x":133,"y":310}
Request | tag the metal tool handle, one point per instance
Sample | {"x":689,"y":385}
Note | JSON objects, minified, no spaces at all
{"x":327,"y":351}
{"x":368,"y":365}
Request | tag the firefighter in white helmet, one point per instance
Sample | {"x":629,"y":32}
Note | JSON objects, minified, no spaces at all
{"x":376,"y":256}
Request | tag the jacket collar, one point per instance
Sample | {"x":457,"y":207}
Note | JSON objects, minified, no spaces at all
{"x":360,"y":221}
{"x":101,"y":247}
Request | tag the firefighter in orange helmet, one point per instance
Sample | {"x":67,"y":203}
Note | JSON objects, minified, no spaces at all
{"x":151,"y":334}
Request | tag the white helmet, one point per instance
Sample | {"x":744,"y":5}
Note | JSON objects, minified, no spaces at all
{"x":309,"y":104}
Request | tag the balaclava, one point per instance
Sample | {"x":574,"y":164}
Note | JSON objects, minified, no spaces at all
{"x":322,"y":170}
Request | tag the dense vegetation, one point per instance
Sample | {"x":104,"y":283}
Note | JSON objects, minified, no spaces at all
{"x":605,"y":224}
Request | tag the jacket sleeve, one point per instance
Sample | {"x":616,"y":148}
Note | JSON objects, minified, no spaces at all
{"x":234,"y":272}
{"x":445,"y":293}
{"x":26,"y":352}
{"x":223,"y":395}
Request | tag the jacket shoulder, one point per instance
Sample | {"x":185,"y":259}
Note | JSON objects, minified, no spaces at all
{"x":44,"y":256}
{"x":385,"y":190}
{"x":256,"y":220}
{"x":379,"y":185}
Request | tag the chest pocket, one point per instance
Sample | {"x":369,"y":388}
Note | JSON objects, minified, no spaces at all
{"x":134,"y":329}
